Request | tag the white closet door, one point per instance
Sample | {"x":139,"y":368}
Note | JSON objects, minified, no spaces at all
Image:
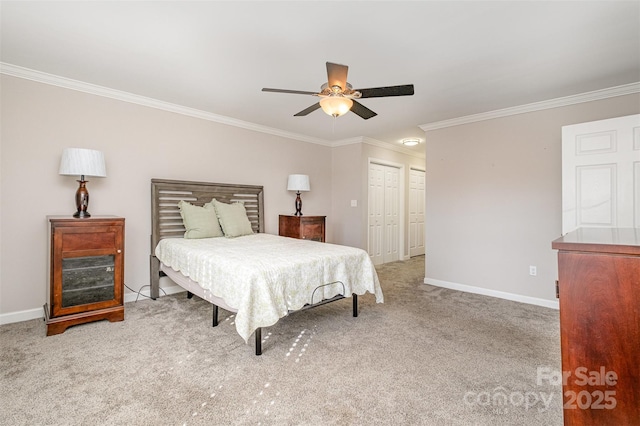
{"x":601,"y":174}
{"x":384,"y":213}
{"x":376,"y":213}
{"x":416,"y":212}
{"x":391,"y":214}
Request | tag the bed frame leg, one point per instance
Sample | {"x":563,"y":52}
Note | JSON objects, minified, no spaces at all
{"x":154,"y":281}
{"x":189,"y":295}
{"x":215,"y":316}
{"x":355,"y":305}
{"x":258,"y":341}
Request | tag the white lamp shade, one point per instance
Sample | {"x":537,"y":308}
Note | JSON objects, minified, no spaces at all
{"x":82,"y":162}
{"x":298,"y":183}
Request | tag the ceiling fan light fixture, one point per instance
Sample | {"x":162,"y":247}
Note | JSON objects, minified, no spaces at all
{"x":336,"y":106}
{"x":411,"y":141}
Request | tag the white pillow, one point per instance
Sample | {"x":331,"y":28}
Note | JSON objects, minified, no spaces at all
{"x":233,"y":219}
{"x":199,"y":222}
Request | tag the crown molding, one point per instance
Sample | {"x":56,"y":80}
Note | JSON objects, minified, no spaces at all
{"x":595,"y":95}
{"x":67,"y":83}
{"x":54,"y":80}
{"x":378,"y":143}
{"x":348,"y":141}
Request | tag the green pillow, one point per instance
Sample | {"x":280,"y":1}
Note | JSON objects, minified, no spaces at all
{"x":199,"y":222}
{"x":233,"y":219}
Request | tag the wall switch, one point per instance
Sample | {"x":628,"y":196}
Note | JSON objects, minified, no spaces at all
{"x":354,"y":203}
{"x":533,"y":271}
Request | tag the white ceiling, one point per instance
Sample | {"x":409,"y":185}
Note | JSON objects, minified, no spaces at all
{"x":463,"y":58}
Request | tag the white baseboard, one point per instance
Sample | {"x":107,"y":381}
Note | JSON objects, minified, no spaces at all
{"x":20,"y":316}
{"x":30,"y":314}
{"x":131,"y":297}
{"x":553,"y":304}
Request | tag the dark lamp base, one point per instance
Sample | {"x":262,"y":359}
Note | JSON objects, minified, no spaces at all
{"x":82,"y":199}
{"x":298,"y":205}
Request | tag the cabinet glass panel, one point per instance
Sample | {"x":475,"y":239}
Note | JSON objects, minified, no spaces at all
{"x":87,"y":280}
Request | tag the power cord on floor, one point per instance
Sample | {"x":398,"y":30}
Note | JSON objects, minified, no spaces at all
{"x":139,"y":292}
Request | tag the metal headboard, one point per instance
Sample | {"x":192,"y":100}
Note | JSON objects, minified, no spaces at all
{"x":166,"y":221}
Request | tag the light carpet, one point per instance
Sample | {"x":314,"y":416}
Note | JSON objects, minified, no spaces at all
{"x":427,"y":356}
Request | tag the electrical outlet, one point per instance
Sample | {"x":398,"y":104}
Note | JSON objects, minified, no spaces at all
{"x":354,"y":203}
{"x":533,"y":271}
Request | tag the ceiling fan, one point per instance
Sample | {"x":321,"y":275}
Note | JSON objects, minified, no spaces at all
{"x":338,"y":97}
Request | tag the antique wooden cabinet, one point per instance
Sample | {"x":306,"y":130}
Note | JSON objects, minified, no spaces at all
{"x":86,"y":271}
{"x":302,"y":227}
{"x":599,"y":291}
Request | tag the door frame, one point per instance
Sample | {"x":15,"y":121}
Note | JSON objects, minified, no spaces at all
{"x":402,"y":254}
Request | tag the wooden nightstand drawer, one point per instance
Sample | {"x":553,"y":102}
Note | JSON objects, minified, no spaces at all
{"x":302,"y":227}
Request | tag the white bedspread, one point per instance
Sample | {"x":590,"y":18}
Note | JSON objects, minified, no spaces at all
{"x":265,"y":276}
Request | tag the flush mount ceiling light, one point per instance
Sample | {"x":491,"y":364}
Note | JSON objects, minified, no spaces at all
{"x":411,"y":141}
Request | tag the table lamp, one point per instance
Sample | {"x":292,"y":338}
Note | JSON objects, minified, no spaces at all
{"x":298,"y":183}
{"x":82,"y":162}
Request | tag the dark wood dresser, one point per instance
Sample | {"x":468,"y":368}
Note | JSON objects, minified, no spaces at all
{"x":302,"y":227}
{"x":599,"y":291}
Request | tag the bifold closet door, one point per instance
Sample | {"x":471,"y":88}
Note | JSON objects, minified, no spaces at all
{"x":384,"y":218}
{"x":416,"y":212}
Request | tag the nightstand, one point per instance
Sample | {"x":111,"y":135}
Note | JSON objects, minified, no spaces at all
{"x":86,"y":271}
{"x":302,"y":227}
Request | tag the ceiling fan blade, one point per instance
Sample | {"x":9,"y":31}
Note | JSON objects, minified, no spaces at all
{"x":308,"y":110}
{"x":362,"y":110}
{"x":379,"y":92}
{"x":337,"y":75}
{"x":297,"y":92}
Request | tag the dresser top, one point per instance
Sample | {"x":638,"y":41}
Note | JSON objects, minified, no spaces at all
{"x":93,"y":218}
{"x":603,"y":240}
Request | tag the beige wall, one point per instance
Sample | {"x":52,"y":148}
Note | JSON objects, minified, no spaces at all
{"x":139,"y":143}
{"x":347,"y":185}
{"x":494,"y":198}
{"x":350,"y":167}
{"x":493,"y":187}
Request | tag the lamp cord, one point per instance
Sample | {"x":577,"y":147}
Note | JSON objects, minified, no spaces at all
{"x":139,"y":291}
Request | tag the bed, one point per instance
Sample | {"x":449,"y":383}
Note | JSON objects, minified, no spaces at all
{"x":260,"y":277}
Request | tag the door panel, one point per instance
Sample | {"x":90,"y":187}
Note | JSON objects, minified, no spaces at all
{"x":376,"y":213}
{"x":391,"y":214}
{"x":416,"y":212}
{"x":601,"y":174}
{"x":384,"y":213}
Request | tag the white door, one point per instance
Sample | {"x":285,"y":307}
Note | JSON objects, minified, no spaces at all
{"x":384,"y":216}
{"x":601,"y":174}
{"x":416,"y":212}
{"x":376,"y":213}
{"x":391,"y":214}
